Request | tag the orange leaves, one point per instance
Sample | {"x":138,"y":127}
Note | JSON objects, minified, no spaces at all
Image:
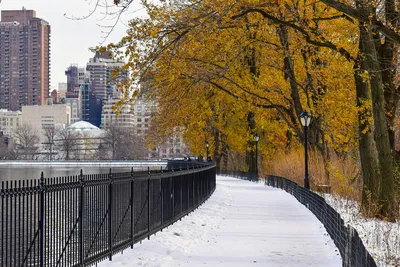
{"x":207,"y":70}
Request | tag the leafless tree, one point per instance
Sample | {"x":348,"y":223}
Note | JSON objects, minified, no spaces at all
{"x":50,"y":134}
{"x":27,"y":141}
{"x":89,"y":147}
{"x":4,"y":150}
{"x":121,"y":144}
{"x":68,"y":140}
{"x":111,"y":12}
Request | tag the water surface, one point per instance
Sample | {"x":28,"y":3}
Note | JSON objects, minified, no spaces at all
{"x":30,"y":171}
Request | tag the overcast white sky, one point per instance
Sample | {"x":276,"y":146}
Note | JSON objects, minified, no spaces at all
{"x":71,"y":39}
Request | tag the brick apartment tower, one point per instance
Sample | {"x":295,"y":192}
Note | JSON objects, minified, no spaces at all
{"x":24,"y":59}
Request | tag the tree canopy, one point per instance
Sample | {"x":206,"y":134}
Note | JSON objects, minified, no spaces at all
{"x":224,"y":70}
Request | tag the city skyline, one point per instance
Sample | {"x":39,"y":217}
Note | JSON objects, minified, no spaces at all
{"x":72,"y":38}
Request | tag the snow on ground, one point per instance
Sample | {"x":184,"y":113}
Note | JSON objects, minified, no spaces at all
{"x":242,"y":224}
{"x":381,"y":239}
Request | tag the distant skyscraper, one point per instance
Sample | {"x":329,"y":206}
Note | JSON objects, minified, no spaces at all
{"x":100,"y":67}
{"x":24,"y":59}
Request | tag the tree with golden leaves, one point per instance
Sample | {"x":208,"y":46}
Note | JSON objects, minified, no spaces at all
{"x":277,"y":59}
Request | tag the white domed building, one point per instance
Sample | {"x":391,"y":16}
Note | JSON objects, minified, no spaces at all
{"x":85,"y":128}
{"x":88,"y":139}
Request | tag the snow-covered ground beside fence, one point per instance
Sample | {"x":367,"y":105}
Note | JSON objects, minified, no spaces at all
{"x":381,"y":239}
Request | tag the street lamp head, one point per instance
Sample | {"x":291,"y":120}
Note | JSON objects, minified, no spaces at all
{"x":305,"y":118}
{"x":207,"y":144}
{"x":256,"y":137}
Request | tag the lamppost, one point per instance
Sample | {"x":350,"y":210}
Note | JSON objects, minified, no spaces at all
{"x":207,"y":145}
{"x":256,"y":138}
{"x":305,"y":119}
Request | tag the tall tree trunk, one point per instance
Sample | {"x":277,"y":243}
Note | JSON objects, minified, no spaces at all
{"x":254,"y":71}
{"x":386,"y":195}
{"x":368,"y":156}
{"x":217,"y":147}
{"x":224,"y":151}
{"x":289,"y":69}
{"x":388,"y":53}
{"x":250,"y":153}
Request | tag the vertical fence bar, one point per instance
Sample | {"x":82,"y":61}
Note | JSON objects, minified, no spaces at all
{"x":20,"y":247}
{"x":193,"y":181}
{"x":41,"y":220}
{"x":12,"y":221}
{"x":148,"y":203}
{"x":81,"y":211}
{"x":188,"y":188}
{"x":162,"y":199}
{"x":16,"y":223}
{"x":110,"y":188}
{"x":181,"y":192}
{"x":2,"y":224}
{"x":172,"y":191}
{"x":132,"y":228}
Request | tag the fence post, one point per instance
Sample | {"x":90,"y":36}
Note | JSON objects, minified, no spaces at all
{"x":110,"y":187}
{"x":207,"y":183}
{"x":132,"y":209}
{"x":172,"y":195}
{"x":188,"y":188}
{"x":162,"y":199}
{"x":81,"y":210}
{"x":347,"y":250}
{"x":193,"y":187}
{"x":148,"y":202}
{"x":181,"y":192}
{"x":41,"y":220}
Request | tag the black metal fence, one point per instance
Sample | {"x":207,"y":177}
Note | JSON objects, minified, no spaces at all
{"x":249,"y":176}
{"x":346,"y":238}
{"x":81,"y":220}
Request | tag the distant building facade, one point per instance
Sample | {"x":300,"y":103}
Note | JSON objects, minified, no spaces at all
{"x":9,"y":121}
{"x":100,"y":68}
{"x":125,"y":118}
{"x":62,"y":91}
{"x":24,"y":59}
{"x":40,"y":117}
{"x":75,"y":102}
{"x":143,"y":112}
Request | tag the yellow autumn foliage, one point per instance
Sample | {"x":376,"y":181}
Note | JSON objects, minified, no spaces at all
{"x":209,"y":64}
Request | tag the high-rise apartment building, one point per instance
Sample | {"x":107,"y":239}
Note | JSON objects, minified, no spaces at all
{"x":24,"y":59}
{"x":100,"y":68}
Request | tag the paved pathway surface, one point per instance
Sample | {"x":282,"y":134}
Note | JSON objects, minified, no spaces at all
{"x":242,"y":224}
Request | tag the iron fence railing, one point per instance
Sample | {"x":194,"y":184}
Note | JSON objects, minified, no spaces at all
{"x":81,"y":220}
{"x":346,"y":238}
{"x":249,"y":176}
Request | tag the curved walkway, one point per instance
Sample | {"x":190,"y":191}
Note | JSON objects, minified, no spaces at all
{"x":242,"y":224}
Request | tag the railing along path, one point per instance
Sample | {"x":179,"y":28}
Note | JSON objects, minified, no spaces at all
{"x":80,"y":220}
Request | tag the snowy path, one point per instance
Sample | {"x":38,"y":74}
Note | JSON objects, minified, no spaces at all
{"x":242,"y":224}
